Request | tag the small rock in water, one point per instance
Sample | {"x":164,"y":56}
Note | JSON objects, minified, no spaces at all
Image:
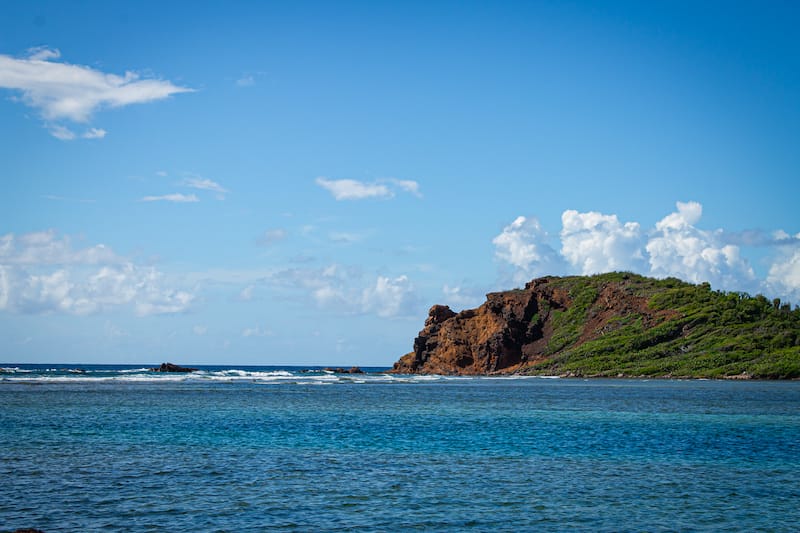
{"x":169,"y":367}
{"x":341,"y":370}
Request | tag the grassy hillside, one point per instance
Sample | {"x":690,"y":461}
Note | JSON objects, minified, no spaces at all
{"x":707,"y":333}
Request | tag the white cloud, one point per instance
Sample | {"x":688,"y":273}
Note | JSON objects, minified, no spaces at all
{"x":4,"y":287}
{"x":347,"y":189}
{"x":246,"y":294}
{"x":63,"y":91}
{"x":354,"y":190}
{"x":47,"y":248}
{"x":410,"y":186}
{"x":389,"y":297}
{"x":42,"y":273}
{"x":458,"y":297}
{"x":175,"y":197}
{"x":94,"y":133}
{"x":346,"y":290}
{"x":199,"y":330}
{"x":204,"y":184}
{"x":43,"y":53}
{"x":688,"y":214}
{"x":593,"y":242}
{"x":523,"y":245}
{"x":678,"y":248}
{"x":61,"y":133}
{"x":784,"y":274}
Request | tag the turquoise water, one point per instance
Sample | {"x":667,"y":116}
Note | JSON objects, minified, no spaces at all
{"x":117,"y":448}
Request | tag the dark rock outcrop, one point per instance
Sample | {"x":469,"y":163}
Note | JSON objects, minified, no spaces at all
{"x":169,"y":367}
{"x":342,"y":370}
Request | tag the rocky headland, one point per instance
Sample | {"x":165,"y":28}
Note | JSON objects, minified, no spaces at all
{"x":615,"y":325}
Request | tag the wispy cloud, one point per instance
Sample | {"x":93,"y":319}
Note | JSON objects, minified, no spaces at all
{"x":409,"y":186}
{"x":345,"y":290}
{"x":347,"y":189}
{"x":204,"y":184}
{"x":94,"y":133}
{"x":58,"y":198}
{"x":62,"y":91}
{"x":247,"y":80}
{"x":257,"y":332}
{"x":353,"y":190}
{"x":175,"y":197}
{"x":272,"y":236}
{"x":342,"y":237}
{"x":246,"y":294}
{"x":63,"y":133}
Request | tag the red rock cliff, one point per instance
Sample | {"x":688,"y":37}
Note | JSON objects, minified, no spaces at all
{"x":512,"y":329}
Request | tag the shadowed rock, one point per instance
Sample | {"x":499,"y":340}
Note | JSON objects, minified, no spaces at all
{"x":341,"y":370}
{"x":169,"y":367}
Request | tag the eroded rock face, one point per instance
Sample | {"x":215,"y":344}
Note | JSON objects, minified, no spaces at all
{"x":498,"y":336}
{"x":509,"y":331}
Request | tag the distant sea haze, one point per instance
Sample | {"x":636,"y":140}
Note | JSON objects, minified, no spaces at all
{"x":125,"y":449}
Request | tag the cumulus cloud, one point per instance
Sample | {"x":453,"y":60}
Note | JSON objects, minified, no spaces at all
{"x":593,"y":242}
{"x":678,"y":248}
{"x":784,"y":273}
{"x":42,"y":273}
{"x":347,"y":189}
{"x":523,"y":245}
{"x":389,"y":297}
{"x":175,"y":198}
{"x":62,"y":91}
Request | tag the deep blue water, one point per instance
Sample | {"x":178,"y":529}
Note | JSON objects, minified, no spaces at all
{"x":118,"y":448}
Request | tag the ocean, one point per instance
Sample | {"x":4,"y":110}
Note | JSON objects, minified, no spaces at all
{"x":119,"y":448}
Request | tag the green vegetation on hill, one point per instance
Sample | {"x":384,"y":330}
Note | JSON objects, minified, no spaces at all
{"x":700,"y":333}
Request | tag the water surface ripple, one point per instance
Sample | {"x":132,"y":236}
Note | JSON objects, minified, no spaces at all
{"x":387,"y":453}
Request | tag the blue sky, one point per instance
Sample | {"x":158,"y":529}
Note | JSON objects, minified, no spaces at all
{"x":296,"y":183}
